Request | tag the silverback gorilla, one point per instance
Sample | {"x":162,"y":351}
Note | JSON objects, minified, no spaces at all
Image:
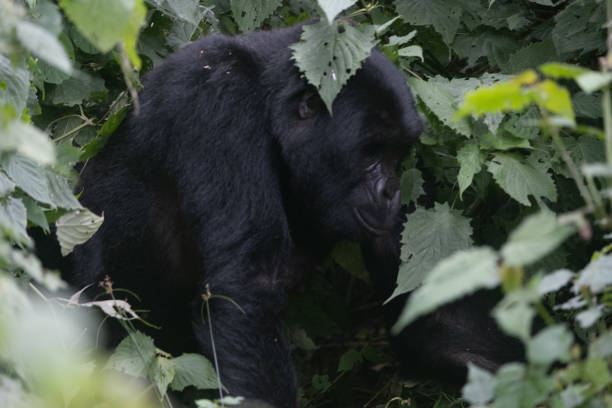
{"x":233,"y":176}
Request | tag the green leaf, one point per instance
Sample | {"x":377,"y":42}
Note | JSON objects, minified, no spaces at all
{"x":75,"y":228}
{"x":41,"y":184}
{"x":15,"y":85}
{"x":105,"y":23}
{"x":470,"y":160}
{"x":6,"y":185}
{"x":13,"y":219}
{"x":349,"y":359}
{"x":452,"y":278}
{"x":555,"y":98}
{"x":188,"y":11}
{"x":479,"y":387}
{"x":395,"y":40}
{"x":329,"y":55}
{"x":562,"y":71}
{"x":503,"y":141}
{"x":193,"y":370}
{"x":74,"y":91}
{"x":587,"y":106}
{"x":588,"y":317}
{"x":520,"y":179}
{"x":29,"y":141}
{"x":36,"y":215}
{"x":411,"y":186}
{"x":348,"y":256}
{"x":332,"y":8}
{"x":441,"y":102}
{"x":530,"y":56}
{"x":535,"y":237}
{"x":43,"y":44}
{"x":514,"y":313}
{"x":579,"y":28}
{"x":594,"y":81}
{"x":428,"y":236}
{"x":250,"y":14}
{"x":445,"y":17}
{"x":554,"y":281}
{"x":597,"y":275}
{"x":134,"y":355}
{"x":162,"y":373}
{"x":549,"y":345}
{"x":503,"y":97}
{"x":411,"y":51}
{"x":602,"y":346}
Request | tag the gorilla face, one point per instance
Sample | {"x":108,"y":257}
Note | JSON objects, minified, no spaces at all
{"x":343,"y":168}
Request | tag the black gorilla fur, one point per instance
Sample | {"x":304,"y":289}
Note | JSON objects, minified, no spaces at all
{"x":440,"y":344}
{"x":234,"y":175}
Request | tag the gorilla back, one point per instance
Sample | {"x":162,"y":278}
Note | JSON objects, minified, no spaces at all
{"x":234,"y":175}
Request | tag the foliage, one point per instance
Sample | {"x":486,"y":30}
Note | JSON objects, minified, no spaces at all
{"x":510,"y":184}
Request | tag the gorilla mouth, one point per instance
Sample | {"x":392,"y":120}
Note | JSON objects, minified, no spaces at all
{"x":374,"y":230}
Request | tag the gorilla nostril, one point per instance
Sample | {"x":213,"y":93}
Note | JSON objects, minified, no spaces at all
{"x":390,"y":189}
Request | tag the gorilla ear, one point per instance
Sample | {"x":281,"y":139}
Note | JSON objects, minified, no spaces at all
{"x":310,"y":103}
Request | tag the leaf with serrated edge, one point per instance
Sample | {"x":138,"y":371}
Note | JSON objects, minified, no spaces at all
{"x":134,"y":355}
{"x":250,"y":14}
{"x":328,"y":57}
{"x":520,"y":179}
{"x":470,"y":160}
{"x":76,"y":228}
{"x":452,"y":278}
{"x":428,"y":236}
{"x":43,"y":44}
{"x":536,"y":237}
{"x":444,"y":16}
{"x":195,"y":370}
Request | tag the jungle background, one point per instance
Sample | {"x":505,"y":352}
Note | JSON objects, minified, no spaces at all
{"x":515,"y":166}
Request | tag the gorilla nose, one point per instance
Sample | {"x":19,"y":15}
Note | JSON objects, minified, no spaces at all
{"x":388,"y":189}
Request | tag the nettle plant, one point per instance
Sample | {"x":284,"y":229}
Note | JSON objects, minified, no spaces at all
{"x":568,"y":360}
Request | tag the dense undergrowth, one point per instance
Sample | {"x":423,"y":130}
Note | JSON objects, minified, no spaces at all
{"x":515,"y":164}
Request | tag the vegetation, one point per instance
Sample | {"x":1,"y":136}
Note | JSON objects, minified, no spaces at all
{"x":516,"y":157}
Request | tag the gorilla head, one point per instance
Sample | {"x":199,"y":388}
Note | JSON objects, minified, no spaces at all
{"x":232,"y":170}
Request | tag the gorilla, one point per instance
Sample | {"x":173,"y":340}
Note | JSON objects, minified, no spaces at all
{"x":440,"y":344}
{"x":233,"y":178}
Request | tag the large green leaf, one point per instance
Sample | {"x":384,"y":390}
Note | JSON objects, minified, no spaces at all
{"x":411,"y":185}
{"x":195,"y":370}
{"x":445,"y":17}
{"x":441,"y":102}
{"x":520,"y":179}
{"x":28,"y":140}
{"x":428,"y":236}
{"x":40,"y":183}
{"x":536,"y":237}
{"x":250,"y":14}
{"x":329,"y":55}
{"x":74,"y":91}
{"x":452,"y":278}
{"x":13,"y":218}
{"x":105,"y":23}
{"x":43,"y":44}
{"x":162,"y":373}
{"x":597,"y":276}
{"x":134,"y":355}
{"x":15,"y":85}
{"x":479,"y":387}
{"x":75,"y":228}
{"x":550,"y":344}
